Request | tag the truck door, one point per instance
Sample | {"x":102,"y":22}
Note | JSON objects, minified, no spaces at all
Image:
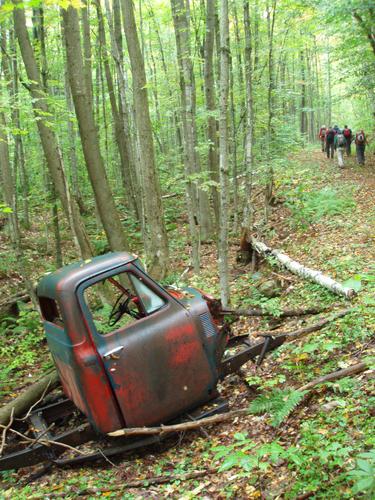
{"x":151,"y":347}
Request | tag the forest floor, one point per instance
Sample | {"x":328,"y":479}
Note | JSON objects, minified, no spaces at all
{"x":324,"y":218}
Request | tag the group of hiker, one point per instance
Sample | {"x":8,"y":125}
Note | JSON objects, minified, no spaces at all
{"x":334,"y":138}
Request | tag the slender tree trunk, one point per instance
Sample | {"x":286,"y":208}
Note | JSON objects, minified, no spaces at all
{"x":188,"y":97}
{"x":249,"y":138}
{"x":223,"y":149}
{"x":47,"y":135}
{"x":89,"y":134}
{"x":127,"y":165}
{"x":209,"y":88}
{"x":8,"y":185}
{"x":40,"y":41}
{"x":271,"y":16}
{"x":303,"y":126}
{"x":329,"y":91}
{"x":156,"y":243}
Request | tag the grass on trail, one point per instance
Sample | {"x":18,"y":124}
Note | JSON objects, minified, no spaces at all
{"x":325,"y":447}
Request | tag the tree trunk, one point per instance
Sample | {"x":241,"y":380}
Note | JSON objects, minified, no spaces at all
{"x":188,"y":99}
{"x":22,"y":403}
{"x":302,"y":271}
{"x":127,"y":164}
{"x":249,"y":138}
{"x":156,"y":242}
{"x":89,"y":134}
{"x":223,"y":149}
{"x":47,"y":135}
{"x":303,"y":126}
{"x":209,"y":88}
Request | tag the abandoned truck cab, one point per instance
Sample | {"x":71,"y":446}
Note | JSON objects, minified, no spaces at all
{"x":128,"y":352}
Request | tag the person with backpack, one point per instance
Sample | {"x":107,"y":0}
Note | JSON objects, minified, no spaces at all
{"x":340,"y":146}
{"x":322,"y":136}
{"x":348,"y":138}
{"x":330,"y":138}
{"x":360,"y":146}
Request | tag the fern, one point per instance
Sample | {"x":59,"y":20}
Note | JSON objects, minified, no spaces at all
{"x":278,"y":403}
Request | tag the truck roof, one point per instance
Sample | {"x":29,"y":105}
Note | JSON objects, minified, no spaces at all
{"x":69,"y":277}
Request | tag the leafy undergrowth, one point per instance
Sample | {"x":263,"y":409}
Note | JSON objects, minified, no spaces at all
{"x":292,"y":444}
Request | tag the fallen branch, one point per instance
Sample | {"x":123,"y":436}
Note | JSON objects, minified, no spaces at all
{"x":301,"y":332}
{"x":4,"y":433}
{"x":45,"y":442}
{"x":141,"y":483}
{"x":22,"y":403}
{"x":345,"y":372}
{"x":185,"y":426}
{"x":10,"y":305}
{"x":302,"y":271}
{"x":283,"y":314}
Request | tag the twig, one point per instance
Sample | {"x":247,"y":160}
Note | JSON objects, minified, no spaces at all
{"x":4,"y":433}
{"x":142,"y":483}
{"x":294,"y":334}
{"x":46,"y":442}
{"x":185,"y":426}
{"x":35,"y":404}
{"x":43,"y":433}
{"x":283,"y":314}
{"x":345,"y":372}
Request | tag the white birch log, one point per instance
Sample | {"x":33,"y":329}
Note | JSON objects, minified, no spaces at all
{"x":302,"y":271}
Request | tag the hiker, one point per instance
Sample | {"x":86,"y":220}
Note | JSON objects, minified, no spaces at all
{"x":348,"y":138}
{"x":330,"y":138}
{"x":360,"y":146}
{"x":322,"y":136}
{"x":340,"y":146}
{"x":336,"y":129}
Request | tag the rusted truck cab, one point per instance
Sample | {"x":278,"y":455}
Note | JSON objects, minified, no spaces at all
{"x":128,"y":351}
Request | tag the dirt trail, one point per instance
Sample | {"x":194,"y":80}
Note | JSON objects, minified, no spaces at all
{"x":355,"y":234}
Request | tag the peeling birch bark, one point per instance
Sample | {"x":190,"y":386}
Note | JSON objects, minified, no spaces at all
{"x":302,"y":271}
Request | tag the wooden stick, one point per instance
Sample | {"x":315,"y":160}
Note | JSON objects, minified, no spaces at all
{"x":4,"y":433}
{"x":185,"y":426}
{"x":22,"y":403}
{"x":301,"y":332}
{"x":283,"y":314}
{"x":302,"y":271}
{"x":345,"y":372}
{"x":142,"y":483}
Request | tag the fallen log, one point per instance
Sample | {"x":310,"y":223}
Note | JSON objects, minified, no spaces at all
{"x":9,"y":306}
{"x":185,"y":426}
{"x":345,"y":372}
{"x":302,"y":271}
{"x":22,"y":403}
{"x":283,"y":314}
{"x":301,"y":332}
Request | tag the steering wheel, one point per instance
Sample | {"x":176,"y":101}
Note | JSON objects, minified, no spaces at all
{"x":120,"y":308}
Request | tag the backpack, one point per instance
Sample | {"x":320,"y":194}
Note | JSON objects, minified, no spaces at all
{"x":341,"y":140}
{"x":360,"y":138}
{"x":330,"y":135}
{"x":347,"y":132}
{"x":323,"y":132}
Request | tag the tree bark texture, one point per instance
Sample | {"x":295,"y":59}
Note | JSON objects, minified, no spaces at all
{"x":47,"y":135}
{"x":22,"y":403}
{"x":302,"y":271}
{"x":188,"y":99}
{"x":223,"y":150}
{"x":209,"y":89}
{"x":156,"y":242}
{"x":249,"y":136}
{"x":89,"y":134}
{"x":127,"y":163}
